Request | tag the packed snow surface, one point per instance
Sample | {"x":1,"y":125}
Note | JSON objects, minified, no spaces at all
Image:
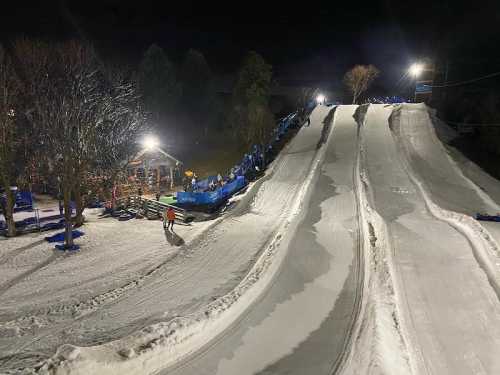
{"x":450,"y":307}
{"x":129,"y":275}
{"x":357,"y":253}
{"x":301,"y":324}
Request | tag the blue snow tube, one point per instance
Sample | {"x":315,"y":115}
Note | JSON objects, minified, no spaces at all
{"x":59,"y":237}
{"x":63,"y":247}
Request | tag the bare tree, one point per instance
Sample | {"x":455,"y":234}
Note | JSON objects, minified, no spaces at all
{"x":123,"y":123}
{"x":359,"y":78}
{"x":10,"y":89}
{"x":118,"y":121}
{"x":64,"y":87}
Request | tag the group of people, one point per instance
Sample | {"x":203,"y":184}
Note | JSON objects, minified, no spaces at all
{"x":194,"y":185}
{"x":189,"y":181}
{"x":214,"y":184}
{"x":252,"y":164}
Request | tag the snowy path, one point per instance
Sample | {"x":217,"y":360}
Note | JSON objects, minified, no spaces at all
{"x":301,"y":324}
{"x":451,"y":309}
{"x":208,"y":266}
{"x":108,"y":247}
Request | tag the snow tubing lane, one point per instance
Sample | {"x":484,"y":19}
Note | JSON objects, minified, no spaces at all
{"x":359,"y":269}
{"x":481,"y":242}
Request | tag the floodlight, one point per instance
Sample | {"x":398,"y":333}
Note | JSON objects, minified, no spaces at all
{"x":320,"y":99}
{"x":416,"y":69}
{"x":150,"y":142}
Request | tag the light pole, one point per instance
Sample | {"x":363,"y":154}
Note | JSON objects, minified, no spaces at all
{"x":423,"y":73}
{"x":415,"y":70}
{"x":150,"y":142}
{"x":320,"y":99}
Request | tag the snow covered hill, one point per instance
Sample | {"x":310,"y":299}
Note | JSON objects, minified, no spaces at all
{"x":444,"y":273}
{"x":128,"y":276}
{"x":356,"y":254}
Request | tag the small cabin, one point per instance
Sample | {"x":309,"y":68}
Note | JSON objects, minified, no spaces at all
{"x":155,"y":170}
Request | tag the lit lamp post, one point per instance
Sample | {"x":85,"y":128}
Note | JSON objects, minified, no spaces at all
{"x":320,"y":99}
{"x":423,"y":74}
{"x":150,"y":142}
{"x":415,"y":70}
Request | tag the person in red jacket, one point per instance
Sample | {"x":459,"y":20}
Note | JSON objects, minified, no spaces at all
{"x":170,"y":217}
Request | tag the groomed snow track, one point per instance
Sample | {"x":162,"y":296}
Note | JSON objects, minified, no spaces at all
{"x":355,"y":255}
{"x":437,"y":264}
{"x":304,"y":321}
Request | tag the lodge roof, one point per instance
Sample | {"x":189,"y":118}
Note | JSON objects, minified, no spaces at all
{"x":154,"y":158}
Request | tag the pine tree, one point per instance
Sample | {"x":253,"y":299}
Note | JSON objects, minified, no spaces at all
{"x":158,"y":84}
{"x":198,"y":91}
{"x":251,"y":119}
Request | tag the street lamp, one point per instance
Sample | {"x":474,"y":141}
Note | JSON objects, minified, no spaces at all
{"x":416,"y":69}
{"x":320,"y":99}
{"x":150,"y":142}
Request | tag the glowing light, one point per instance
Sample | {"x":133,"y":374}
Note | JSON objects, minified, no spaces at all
{"x":320,"y":99}
{"x":416,"y":69}
{"x":150,"y":142}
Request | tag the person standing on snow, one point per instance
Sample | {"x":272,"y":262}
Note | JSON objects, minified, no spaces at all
{"x":170,"y":217}
{"x":193,"y":184}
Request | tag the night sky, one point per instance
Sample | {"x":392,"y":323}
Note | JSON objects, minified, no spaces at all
{"x":306,"y":42}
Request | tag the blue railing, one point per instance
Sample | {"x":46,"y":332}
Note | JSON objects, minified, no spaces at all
{"x":210,"y":191}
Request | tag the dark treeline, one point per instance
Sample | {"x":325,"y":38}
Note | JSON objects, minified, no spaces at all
{"x":197,"y":114}
{"x":182,"y":99}
{"x":465,"y":47}
{"x":471,"y":106}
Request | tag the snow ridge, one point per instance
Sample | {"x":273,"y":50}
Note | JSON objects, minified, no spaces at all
{"x":486,"y":250}
{"x":380,"y":344}
{"x":162,"y":344}
{"x":484,"y":196}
